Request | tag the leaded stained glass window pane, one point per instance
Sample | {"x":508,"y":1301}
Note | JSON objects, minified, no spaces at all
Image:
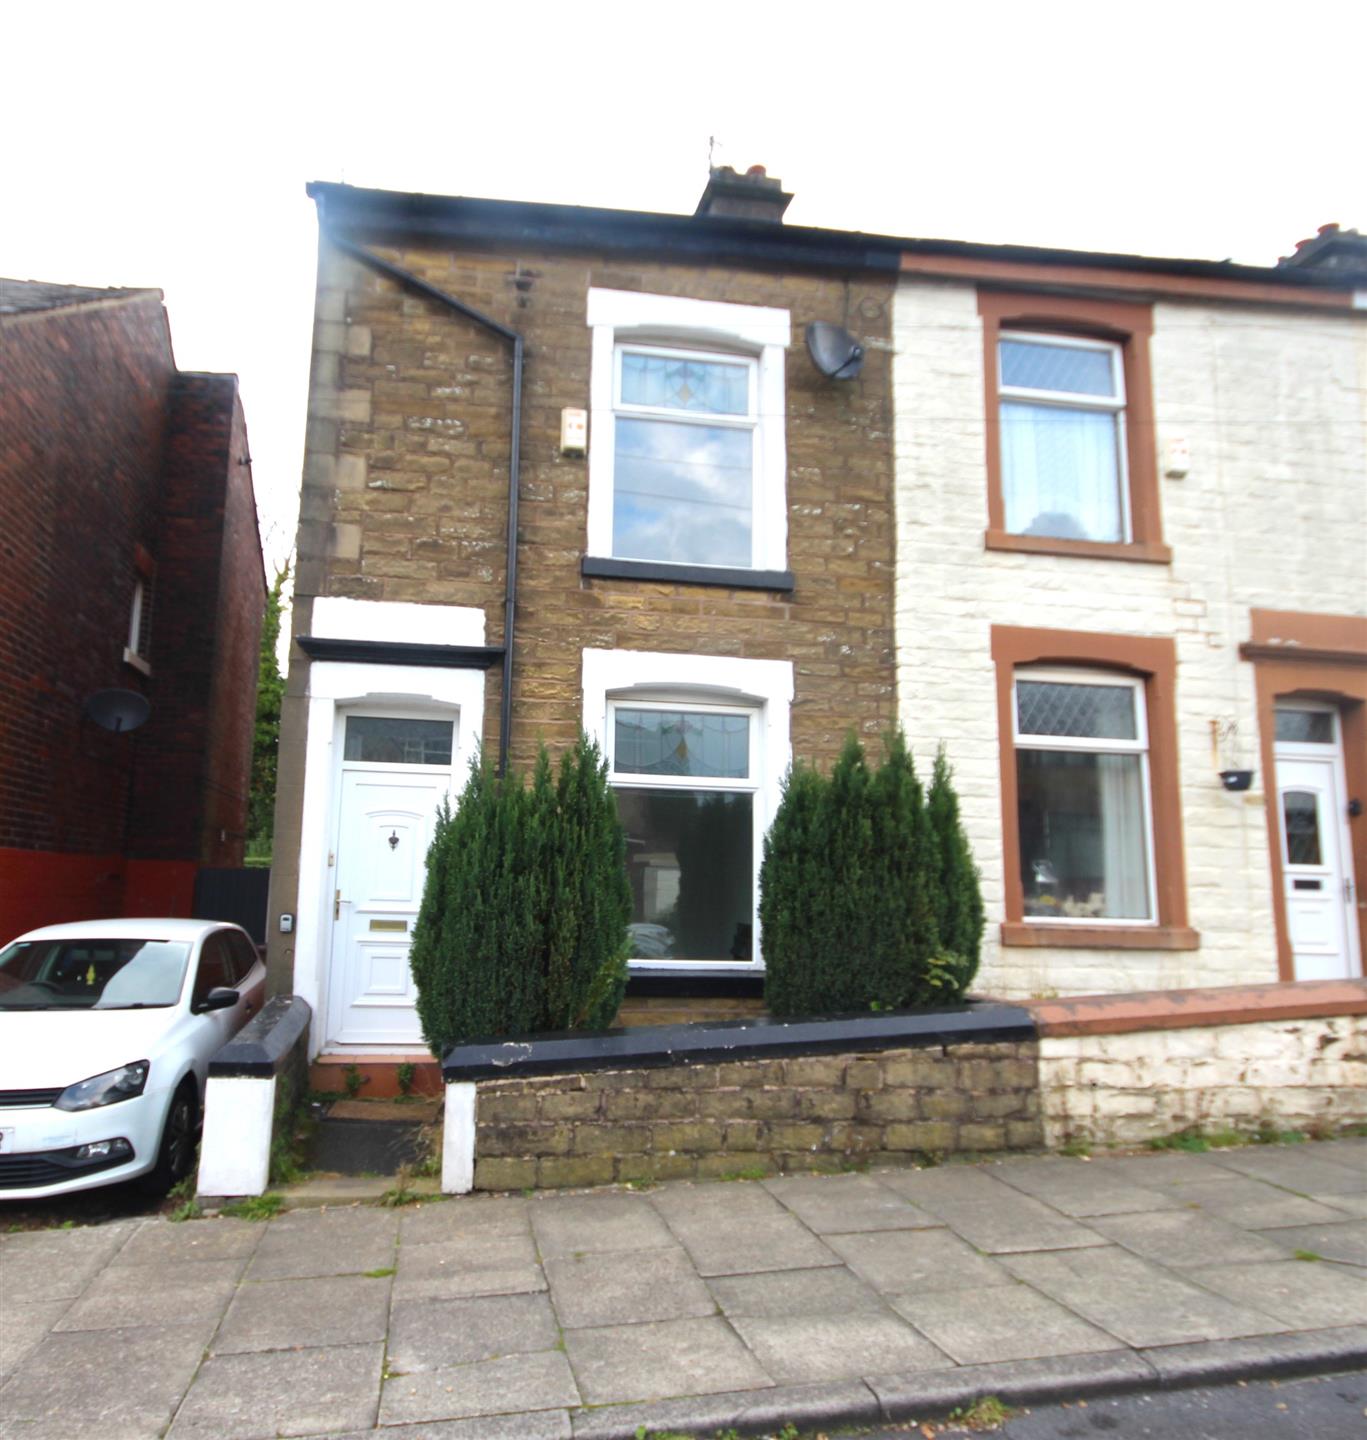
{"x":1097,"y":712}
{"x":670,"y":383}
{"x":383,"y":740}
{"x":680,"y":742}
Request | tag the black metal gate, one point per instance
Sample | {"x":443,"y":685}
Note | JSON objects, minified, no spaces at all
{"x":235,"y":895}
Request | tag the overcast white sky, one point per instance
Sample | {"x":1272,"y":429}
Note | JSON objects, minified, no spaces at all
{"x":168,"y":145}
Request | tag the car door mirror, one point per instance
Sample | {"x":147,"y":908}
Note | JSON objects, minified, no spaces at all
{"x":219,"y":998}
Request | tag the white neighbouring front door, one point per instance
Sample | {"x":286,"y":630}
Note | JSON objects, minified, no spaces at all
{"x":1312,"y":810}
{"x":386,"y":816}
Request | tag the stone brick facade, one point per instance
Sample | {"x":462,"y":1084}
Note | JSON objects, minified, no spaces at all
{"x":1272,"y":513}
{"x":405,"y":497}
{"x":816,"y":1112}
{"x":116,"y":467}
{"x":405,"y":483}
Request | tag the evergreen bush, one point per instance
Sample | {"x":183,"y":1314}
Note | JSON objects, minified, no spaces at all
{"x":523,"y":922}
{"x":958,"y":897}
{"x":852,"y":900}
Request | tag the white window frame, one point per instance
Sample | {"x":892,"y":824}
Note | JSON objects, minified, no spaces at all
{"x":1094,"y":746}
{"x":1114,"y":405}
{"x":695,"y":329}
{"x":762,"y":689}
{"x":132,"y":652}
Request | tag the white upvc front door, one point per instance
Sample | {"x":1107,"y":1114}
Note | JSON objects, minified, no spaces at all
{"x":386,"y":817}
{"x":1317,"y":870}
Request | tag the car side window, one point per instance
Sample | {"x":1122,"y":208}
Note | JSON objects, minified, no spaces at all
{"x":244,"y":954}
{"x":215,"y":967}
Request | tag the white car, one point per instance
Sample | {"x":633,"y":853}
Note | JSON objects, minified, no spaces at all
{"x":106,"y":1032}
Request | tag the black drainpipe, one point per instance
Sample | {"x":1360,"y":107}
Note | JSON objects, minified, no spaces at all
{"x":413,"y":282}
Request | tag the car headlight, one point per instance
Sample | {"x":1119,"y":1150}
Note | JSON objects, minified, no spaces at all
{"x":108,"y":1089}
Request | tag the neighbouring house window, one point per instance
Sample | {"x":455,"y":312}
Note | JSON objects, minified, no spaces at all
{"x":135,"y":652}
{"x":1071,"y":466}
{"x":1082,"y":789}
{"x":687,"y":460}
{"x":686,"y":784}
{"x":696,"y":748}
{"x":1063,"y":437}
{"x":1090,"y":801}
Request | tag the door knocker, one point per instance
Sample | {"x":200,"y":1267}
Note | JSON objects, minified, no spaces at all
{"x":393,"y":839}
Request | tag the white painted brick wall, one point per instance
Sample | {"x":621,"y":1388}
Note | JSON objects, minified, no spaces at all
{"x":1126,"y":1089}
{"x":1273,"y":514}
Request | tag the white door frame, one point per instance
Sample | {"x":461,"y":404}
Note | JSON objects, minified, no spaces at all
{"x":1330,"y":753}
{"x":445,"y":775}
{"x":358,"y":685}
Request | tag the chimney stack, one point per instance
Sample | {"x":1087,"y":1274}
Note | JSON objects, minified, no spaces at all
{"x":752,"y":196}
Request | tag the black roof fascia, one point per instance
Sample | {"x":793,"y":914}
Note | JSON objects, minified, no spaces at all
{"x":455,"y":217}
{"x":570,"y":227}
{"x":400,"y":652}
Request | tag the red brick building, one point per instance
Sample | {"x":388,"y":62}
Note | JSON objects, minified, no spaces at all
{"x":129,"y":560}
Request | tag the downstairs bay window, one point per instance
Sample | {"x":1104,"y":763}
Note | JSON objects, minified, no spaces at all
{"x":1091,"y":826}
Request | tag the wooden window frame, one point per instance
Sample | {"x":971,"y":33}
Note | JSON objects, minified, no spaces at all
{"x":1123,"y":323}
{"x":1152,"y":660}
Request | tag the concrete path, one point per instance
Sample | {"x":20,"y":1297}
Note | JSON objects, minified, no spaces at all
{"x":693,"y":1307}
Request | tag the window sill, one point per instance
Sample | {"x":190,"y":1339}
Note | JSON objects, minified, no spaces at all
{"x":1101,"y":937}
{"x":1148,"y":552}
{"x":131,"y":657}
{"x":724,"y":577}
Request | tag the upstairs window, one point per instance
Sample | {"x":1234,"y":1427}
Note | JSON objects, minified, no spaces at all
{"x":687,"y":455}
{"x":1071,"y":465}
{"x":684,"y":441}
{"x":1063,"y":465}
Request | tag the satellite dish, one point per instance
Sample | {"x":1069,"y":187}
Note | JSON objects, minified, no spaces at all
{"x":117,"y":710}
{"x":835,"y":352}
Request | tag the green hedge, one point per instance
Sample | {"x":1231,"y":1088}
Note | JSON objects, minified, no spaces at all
{"x":523,"y":923}
{"x":868,"y":894}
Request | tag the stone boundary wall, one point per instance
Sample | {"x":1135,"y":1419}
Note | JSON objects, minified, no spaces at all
{"x":1127,"y":1089}
{"x":813,"y":1112}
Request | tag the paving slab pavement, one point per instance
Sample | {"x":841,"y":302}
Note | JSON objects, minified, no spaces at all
{"x":692,"y":1307}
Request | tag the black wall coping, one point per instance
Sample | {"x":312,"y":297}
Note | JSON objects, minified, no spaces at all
{"x":262,"y":1046}
{"x":655,"y":1046}
{"x":726,"y":577}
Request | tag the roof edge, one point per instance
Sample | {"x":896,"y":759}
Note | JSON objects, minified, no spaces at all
{"x":415,"y":214}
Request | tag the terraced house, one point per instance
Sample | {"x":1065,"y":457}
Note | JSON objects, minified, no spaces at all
{"x":1094,"y":521}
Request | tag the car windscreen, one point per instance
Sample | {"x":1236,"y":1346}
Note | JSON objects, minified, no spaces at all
{"x":103,"y":974}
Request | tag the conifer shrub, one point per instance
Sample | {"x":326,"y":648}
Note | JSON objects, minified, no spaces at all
{"x":523,"y":922}
{"x":957,"y":895}
{"x":852,"y":908}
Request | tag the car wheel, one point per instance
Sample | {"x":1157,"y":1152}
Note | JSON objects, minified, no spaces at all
{"x":179,"y":1136}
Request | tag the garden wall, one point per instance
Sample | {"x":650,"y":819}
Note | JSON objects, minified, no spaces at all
{"x":710,"y":1100}
{"x":1123,"y":1070}
{"x":703,"y":1100}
